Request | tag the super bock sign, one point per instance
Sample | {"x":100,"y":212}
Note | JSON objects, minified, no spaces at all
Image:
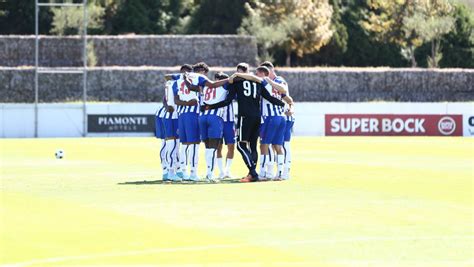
{"x":118,"y":123}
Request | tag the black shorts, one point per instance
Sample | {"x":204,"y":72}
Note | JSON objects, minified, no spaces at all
{"x":248,"y":128}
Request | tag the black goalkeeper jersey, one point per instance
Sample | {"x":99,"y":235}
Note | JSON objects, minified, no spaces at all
{"x":249,"y":95}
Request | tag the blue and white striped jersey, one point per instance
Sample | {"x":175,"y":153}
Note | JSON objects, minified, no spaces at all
{"x":267,"y":108}
{"x":212,"y":96}
{"x":228,"y":114}
{"x":160,"y":113}
{"x":182,"y":91}
{"x":282,"y":81}
{"x":169,"y":95}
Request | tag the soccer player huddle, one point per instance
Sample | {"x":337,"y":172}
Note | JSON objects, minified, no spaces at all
{"x":197,"y":109}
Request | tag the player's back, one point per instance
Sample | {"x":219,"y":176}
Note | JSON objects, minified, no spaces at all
{"x":248,"y":97}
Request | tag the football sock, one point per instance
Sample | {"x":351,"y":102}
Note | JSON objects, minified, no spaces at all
{"x":220,"y":165}
{"x":210,"y":160}
{"x":280,"y":162}
{"x":228,"y":165}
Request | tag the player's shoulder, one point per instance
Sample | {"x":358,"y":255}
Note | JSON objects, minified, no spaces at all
{"x":280,"y":79}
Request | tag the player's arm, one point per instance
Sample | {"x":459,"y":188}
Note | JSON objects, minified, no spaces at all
{"x":290,"y":111}
{"x":248,"y":76}
{"x":174,"y":76}
{"x":289,"y":100}
{"x":180,"y":102}
{"x":271,"y":99}
{"x":203,"y":81}
{"x":192,"y":87}
{"x":216,"y":84}
{"x":281,"y":88}
{"x":169,"y":101}
{"x":165,"y":102}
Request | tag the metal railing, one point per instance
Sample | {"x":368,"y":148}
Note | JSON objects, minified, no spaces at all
{"x":58,"y":70}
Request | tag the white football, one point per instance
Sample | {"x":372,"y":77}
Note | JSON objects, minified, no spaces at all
{"x":59,"y":154}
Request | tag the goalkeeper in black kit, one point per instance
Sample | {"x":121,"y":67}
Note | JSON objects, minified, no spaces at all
{"x":248,"y":90}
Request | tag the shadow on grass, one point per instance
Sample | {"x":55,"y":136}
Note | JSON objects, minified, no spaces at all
{"x":160,"y":182}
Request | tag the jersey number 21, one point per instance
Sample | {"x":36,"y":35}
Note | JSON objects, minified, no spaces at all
{"x":249,"y":90}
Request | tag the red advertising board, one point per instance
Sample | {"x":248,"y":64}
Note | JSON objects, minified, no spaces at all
{"x":393,"y":124}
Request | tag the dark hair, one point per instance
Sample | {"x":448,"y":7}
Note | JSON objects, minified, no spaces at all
{"x":220,"y":76}
{"x":186,"y":68}
{"x":201,"y":66}
{"x":243,"y":66}
{"x":267,"y":64}
{"x":263,"y":69}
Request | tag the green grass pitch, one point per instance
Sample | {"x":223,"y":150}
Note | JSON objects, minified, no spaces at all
{"x":351,"y":202}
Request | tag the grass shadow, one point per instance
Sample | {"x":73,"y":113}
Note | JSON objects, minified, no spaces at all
{"x":161,"y":182}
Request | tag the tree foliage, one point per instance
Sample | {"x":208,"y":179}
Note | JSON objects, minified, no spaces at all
{"x":216,"y":17}
{"x":409,"y":24}
{"x":296,"y":26}
{"x":428,"y":33}
{"x":70,"y":20}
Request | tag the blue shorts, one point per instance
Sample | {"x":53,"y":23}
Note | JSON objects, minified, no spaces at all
{"x":189,"y":127}
{"x":170,"y":128}
{"x":211,"y":127}
{"x":288,"y":130}
{"x":159,"y":128}
{"x":273,"y":131}
{"x":229,"y":132}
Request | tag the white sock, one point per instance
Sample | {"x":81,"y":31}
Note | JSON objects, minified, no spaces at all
{"x":228,"y":164}
{"x":263,"y":164}
{"x":286,"y":147}
{"x":193,"y":157}
{"x":183,"y":157}
{"x":210,"y":160}
{"x":270,"y":161}
{"x":280,"y":162}
{"x":176,"y":156}
{"x":163,"y":157}
{"x":170,"y":152}
{"x":220,"y":165}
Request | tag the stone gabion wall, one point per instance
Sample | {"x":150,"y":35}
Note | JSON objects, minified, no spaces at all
{"x":130,"y":50}
{"x":145,"y":84}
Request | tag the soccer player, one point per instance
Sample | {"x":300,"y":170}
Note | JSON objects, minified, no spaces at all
{"x":272,"y":130}
{"x":229,"y":133}
{"x":290,"y":120}
{"x":188,"y":108}
{"x":249,"y":94}
{"x":211,"y":123}
{"x":171,"y":123}
{"x":160,"y":134}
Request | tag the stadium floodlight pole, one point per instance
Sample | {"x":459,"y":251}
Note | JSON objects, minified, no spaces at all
{"x":84,"y":76}
{"x":36,"y":65}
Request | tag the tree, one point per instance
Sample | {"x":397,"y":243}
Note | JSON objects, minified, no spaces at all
{"x":362,"y":49}
{"x":67,"y":21}
{"x":299,"y":27}
{"x":18,"y":17}
{"x":148,"y":16}
{"x":333,"y":52}
{"x":458,"y":45}
{"x":409,"y":24}
{"x":216,"y":17}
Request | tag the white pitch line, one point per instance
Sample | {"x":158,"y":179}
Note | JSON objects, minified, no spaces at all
{"x":197,"y":248}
